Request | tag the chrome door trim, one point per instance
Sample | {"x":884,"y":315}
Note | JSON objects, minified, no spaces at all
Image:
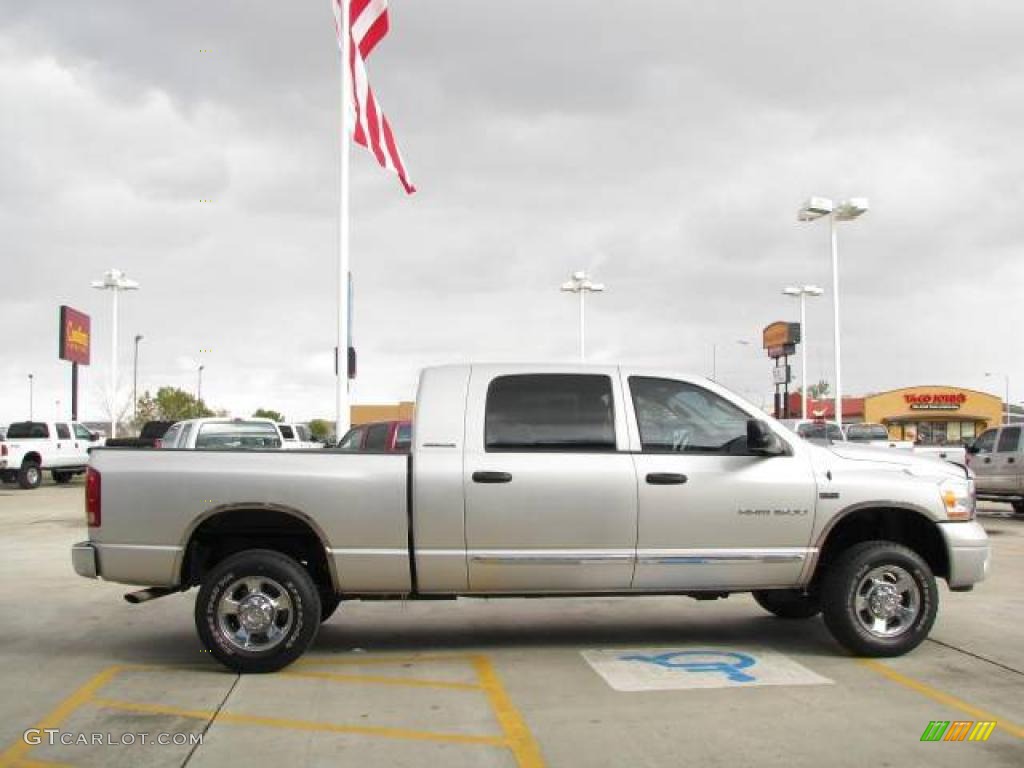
{"x":550,"y":557}
{"x":722,"y":556}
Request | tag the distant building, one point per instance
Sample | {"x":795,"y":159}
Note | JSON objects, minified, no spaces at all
{"x":365,"y":414}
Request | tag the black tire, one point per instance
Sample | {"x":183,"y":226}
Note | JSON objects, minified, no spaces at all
{"x":61,"y":478}
{"x":329,"y":602}
{"x":788,"y":603}
{"x":1018,"y":507}
{"x":30,"y":476}
{"x":839,"y":597}
{"x":276,"y":573}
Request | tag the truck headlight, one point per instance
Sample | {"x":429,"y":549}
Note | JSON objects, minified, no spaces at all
{"x":959,"y":499}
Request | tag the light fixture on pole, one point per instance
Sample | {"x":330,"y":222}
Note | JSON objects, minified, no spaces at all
{"x":31,"y":384}
{"x":581,"y":284}
{"x":848,"y":210}
{"x":114,"y":280}
{"x":199,"y":387}
{"x":135,"y":378}
{"x":803,"y":291}
{"x":714,"y":356}
{"x":1006,"y":390}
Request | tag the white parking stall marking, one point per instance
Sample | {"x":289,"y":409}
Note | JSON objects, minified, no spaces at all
{"x":680,"y":668}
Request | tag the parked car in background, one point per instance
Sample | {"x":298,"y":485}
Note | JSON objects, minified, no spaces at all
{"x":378,"y":437}
{"x":997,"y":458}
{"x":817,"y":431}
{"x":31,"y":447}
{"x":223,"y":434}
{"x":149,"y":437}
{"x":3,"y":432}
{"x":537,"y":481}
{"x":877,"y":435}
{"x":297,"y":437}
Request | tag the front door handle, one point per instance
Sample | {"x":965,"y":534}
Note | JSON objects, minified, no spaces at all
{"x":1010,"y":460}
{"x":988,"y":461}
{"x":666,"y":478}
{"x":492,"y":477}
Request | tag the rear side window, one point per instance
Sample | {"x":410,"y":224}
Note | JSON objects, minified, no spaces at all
{"x":186,"y":434}
{"x":27,"y":429}
{"x":63,"y":433}
{"x":1009,"y":440}
{"x":376,"y":437}
{"x":286,"y":432}
{"x":237,"y":435}
{"x":550,"y":412}
{"x":171,"y":436}
{"x":986,"y":442}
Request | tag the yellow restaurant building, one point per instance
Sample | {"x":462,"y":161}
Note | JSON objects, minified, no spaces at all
{"x":934,"y":414}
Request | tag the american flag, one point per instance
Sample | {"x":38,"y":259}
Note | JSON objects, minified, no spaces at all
{"x":368,"y":23}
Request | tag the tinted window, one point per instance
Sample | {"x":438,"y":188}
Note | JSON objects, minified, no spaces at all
{"x":186,"y":434}
{"x":676,"y":417}
{"x":243,"y":435}
{"x":403,"y":440}
{"x":352,"y":440}
{"x":27,"y":429}
{"x":170,"y":437}
{"x":63,"y":433}
{"x":862,"y":433}
{"x":986,"y":442}
{"x":1009,"y":439}
{"x":286,"y":432}
{"x":303,"y":432}
{"x":549,"y":412}
{"x":377,"y":437}
{"x":81,"y":432}
{"x":835,"y":434}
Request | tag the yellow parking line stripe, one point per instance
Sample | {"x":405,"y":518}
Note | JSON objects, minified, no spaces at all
{"x":384,"y":680}
{"x":521,"y":741}
{"x":942,"y":697}
{"x":355,"y":660}
{"x":301,"y":725}
{"x":17,"y":751}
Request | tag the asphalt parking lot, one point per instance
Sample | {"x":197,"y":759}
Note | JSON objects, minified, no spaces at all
{"x":556,"y":682}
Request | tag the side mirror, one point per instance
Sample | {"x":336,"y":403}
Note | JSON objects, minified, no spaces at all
{"x":972,"y":449}
{"x":761,"y":441}
{"x":94,"y":436}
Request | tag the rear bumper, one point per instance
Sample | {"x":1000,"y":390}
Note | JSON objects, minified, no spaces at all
{"x":970,"y":554}
{"x":83,"y":558}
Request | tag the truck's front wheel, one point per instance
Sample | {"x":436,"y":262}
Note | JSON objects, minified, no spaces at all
{"x":879,"y":599}
{"x":257,"y":611}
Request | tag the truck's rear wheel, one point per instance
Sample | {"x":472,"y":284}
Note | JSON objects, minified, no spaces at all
{"x":1018,"y":507}
{"x":257,"y":611}
{"x":30,"y":476}
{"x":788,"y":603}
{"x":879,"y":599}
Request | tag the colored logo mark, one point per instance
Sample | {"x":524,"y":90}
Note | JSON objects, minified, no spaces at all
{"x":958,"y":730}
{"x":701,"y":661}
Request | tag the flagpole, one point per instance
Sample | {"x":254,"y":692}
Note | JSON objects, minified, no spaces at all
{"x":342,"y":416}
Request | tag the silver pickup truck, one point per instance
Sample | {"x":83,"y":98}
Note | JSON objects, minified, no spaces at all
{"x":553,"y":480}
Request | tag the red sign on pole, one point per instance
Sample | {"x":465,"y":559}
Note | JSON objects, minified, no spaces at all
{"x":75,"y":335}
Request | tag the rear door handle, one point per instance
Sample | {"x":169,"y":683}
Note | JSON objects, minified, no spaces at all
{"x":492,"y":477}
{"x":1010,"y":460}
{"x":988,"y":461}
{"x":665,"y":478}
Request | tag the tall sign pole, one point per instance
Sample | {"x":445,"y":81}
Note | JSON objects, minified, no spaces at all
{"x":342,"y":420}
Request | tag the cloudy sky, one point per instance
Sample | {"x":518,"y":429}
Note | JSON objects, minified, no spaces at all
{"x":665,"y":146}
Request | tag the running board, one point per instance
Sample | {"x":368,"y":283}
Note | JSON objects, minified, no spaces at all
{"x":150,"y":593}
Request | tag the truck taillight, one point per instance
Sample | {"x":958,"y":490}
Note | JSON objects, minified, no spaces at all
{"x":3,"y":450}
{"x":93,"y":514}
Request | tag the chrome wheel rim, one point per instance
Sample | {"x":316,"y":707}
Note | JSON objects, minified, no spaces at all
{"x":888,"y":601}
{"x":255,"y":613}
{"x":32,"y":475}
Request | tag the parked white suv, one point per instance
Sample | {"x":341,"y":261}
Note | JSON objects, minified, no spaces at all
{"x":30,"y":447}
{"x":297,"y":437}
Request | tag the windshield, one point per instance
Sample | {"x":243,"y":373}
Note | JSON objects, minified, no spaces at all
{"x":245,"y":435}
{"x":862,"y":433}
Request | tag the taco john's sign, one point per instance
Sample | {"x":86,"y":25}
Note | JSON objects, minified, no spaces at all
{"x":75,"y":336}
{"x":934,"y":401}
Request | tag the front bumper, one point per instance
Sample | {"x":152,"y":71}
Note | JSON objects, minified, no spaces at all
{"x":83,"y":558}
{"x":970,"y":554}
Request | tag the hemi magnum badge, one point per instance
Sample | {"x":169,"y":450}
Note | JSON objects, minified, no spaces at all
{"x":828,"y":495}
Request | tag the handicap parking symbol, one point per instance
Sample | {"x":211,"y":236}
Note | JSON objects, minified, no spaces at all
{"x":728,"y":663}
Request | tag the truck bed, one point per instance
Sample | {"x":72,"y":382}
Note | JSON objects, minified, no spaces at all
{"x":154,"y":500}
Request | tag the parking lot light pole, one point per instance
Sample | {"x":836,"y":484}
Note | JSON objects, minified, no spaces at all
{"x":581,"y":284}
{"x":199,"y":386}
{"x":1006,"y":391}
{"x":135,"y":378}
{"x":114,"y":280}
{"x":714,"y":357}
{"x":848,"y":210}
{"x":803,"y":291}
{"x":31,"y":384}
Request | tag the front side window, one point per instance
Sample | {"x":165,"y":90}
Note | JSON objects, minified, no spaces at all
{"x":676,"y":417}
{"x":63,"y":433}
{"x":238,"y":435}
{"x":550,"y":412}
{"x":1009,"y":440}
{"x":352,"y":441}
{"x":403,"y":440}
{"x":835,"y":434}
{"x":170,"y":438}
{"x":82,"y":433}
{"x":303,"y":432}
{"x":286,"y":432}
{"x":186,"y":434}
{"x":377,"y":437}
{"x":986,"y":442}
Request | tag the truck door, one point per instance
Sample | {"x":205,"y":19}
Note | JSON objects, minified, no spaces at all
{"x":711,"y":514}
{"x":981,"y":460}
{"x":1006,"y":468}
{"x":82,"y":442}
{"x":63,"y":448}
{"x":550,"y":489}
